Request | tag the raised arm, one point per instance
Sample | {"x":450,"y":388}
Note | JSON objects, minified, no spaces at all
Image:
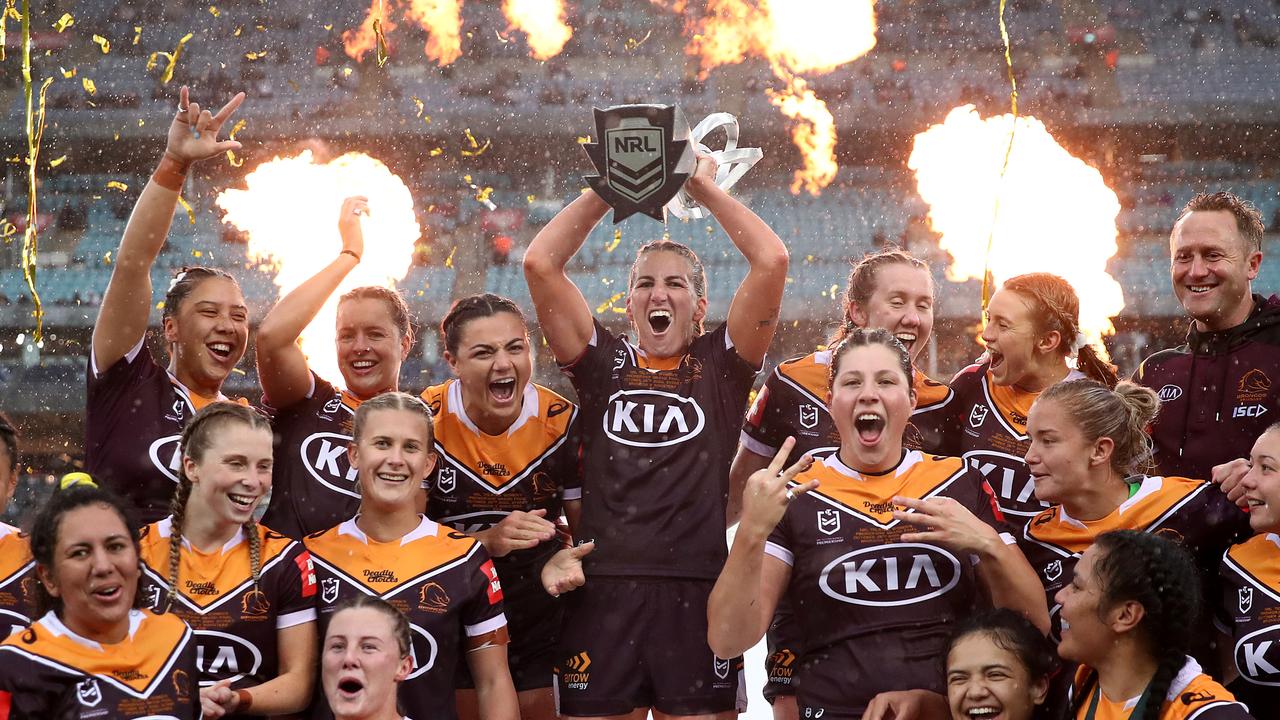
{"x":745,"y":463}
{"x":282,"y":367}
{"x":746,"y":594}
{"x":753,"y":313}
{"x":126,"y":305}
{"x":562,"y":311}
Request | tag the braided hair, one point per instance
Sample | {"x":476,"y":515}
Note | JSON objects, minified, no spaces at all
{"x":1055,"y":306}
{"x":197,"y":437}
{"x":1160,"y":575}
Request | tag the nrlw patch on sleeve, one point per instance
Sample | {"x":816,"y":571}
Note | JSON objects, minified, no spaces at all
{"x":308,"y":573}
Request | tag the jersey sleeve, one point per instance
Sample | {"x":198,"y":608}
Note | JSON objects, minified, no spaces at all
{"x":765,"y":428}
{"x":779,"y":544}
{"x":320,"y":389}
{"x":295,"y":588}
{"x":987,"y":509}
{"x":569,"y":461}
{"x":731,"y":367}
{"x":119,"y":383}
{"x":597,"y":360}
{"x":483,"y":620}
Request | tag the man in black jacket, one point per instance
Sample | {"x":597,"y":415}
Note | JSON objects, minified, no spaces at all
{"x":1221,"y":389}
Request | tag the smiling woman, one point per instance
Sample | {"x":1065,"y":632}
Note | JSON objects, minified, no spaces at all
{"x":251,"y":592}
{"x":136,"y":408}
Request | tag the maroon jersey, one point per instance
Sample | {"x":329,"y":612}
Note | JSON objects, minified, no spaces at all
{"x":313,"y":486}
{"x":1250,"y":609}
{"x":658,"y":439}
{"x":17,"y":579}
{"x":133,"y":421}
{"x":51,"y":672}
{"x":793,"y":403}
{"x":986,"y":424}
{"x":443,"y":582}
{"x":235,"y":620}
{"x":1192,"y":512}
{"x":875,"y":612}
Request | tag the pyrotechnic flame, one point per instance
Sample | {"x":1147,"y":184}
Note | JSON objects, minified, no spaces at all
{"x":796,"y":37}
{"x":290,"y":213}
{"x":1056,"y":214}
{"x":442,"y":19}
{"x":544,"y":23}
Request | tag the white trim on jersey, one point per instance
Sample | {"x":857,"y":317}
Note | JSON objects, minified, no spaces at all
{"x":570,"y":494}
{"x":486,"y":626}
{"x":426,"y":528}
{"x":128,"y":357}
{"x":299,"y":617}
{"x":755,"y":445}
{"x":773,"y":549}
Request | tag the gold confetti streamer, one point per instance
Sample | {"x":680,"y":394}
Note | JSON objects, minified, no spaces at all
{"x":239,"y":30}
{"x":89,"y":86}
{"x":609,"y":304}
{"x":418,"y":104}
{"x":529,"y":199}
{"x":7,"y":229}
{"x":381,"y":42}
{"x":987,"y":289}
{"x":106,"y":258}
{"x":137,"y":34}
{"x":68,"y":73}
{"x":117,"y":185}
{"x":617,"y":238}
{"x":448,"y":262}
{"x":191,"y":214}
{"x":237,"y":128}
{"x":103,"y":43}
{"x":214,"y":11}
{"x":233,"y":160}
{"x":476,"y":148}
{"x":631,"y":43}
{"x":57,"y":161}
{"x":5,"y":13}
{"x":482,"y":196}
{"x":173,"y":59}
{"x":35,"y":132}
{"x":436,"y":151}
{"x":584,"y":139}
{"x":64,"y":22}
{"x":328,"y":27}
{"x":255,"y":55}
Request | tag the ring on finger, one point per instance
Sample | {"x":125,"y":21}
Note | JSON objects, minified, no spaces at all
{"x":790,"y":495}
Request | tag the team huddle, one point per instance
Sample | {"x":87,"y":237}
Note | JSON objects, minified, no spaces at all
{"x":1034,"y":539}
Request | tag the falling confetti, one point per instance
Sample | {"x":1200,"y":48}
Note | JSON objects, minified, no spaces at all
{"x":255,"y":55}
{"x":448,"y":262}
{"x":191,"y":214}
{"x":609,"y":304}
{"x":617,"y":238}
{"x":476,"y":148}
{"x":381,"y":54}
{"x":57,"y":161}
{"x":64,"y":22}
{"x":35,"y":132}
{"x":117,"y":185}
{"x":103,"y":43}
{"x":89,"y":86}
{"x":631,"y":44}
{"x":137,"y":34}
{"x":214,"y":11}
{"x":68,"y":73}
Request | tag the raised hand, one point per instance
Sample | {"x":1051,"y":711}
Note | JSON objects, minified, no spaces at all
{"x":563,"y":572}
{"x":193,"y":134}
{"x":766,"y":495}
{"x":518,"y":531}
{"x":944,"y":521}
{"x":1228,"y":476}
{"x":349,"y":225}
{"x":703,"y":180}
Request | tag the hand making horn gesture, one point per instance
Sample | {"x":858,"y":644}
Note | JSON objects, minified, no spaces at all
{"x":768,"y":492}
{"x":193,"y":135}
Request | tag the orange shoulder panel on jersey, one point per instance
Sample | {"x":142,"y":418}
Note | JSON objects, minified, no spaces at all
{"x":929,"y":392}
{"x":810,"y":373}
{"x":15,"y":553}
{"x":139,"y":662}
{"x":207,"y":577}
{"x":872,"y":498}
{"x":1258,"y":558}
{"x":1185,"y":702}
{"x":1012,"y":404}
{"x":382,"y":567}
{"x":520,"y":448}
{"x":1150,"y":505}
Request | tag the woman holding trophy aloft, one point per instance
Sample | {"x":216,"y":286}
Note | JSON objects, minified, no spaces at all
{"x":660,"y":424}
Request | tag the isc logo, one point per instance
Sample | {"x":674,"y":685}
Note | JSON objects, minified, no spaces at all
{"x":1258,"y":656}
{"x":324,"y":454}
{"x":650,"y":418}
{"x":221,"y":655}
{"x":889,"y":575}
{"x":1009,"y":477}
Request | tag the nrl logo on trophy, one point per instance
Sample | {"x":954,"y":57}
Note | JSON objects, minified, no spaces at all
{"x":643,"y":158}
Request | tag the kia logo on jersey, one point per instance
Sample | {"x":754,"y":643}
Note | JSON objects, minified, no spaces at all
{"x":1169,"y":393}
{"x":423,"y":649}
{"x":447,"y":480}
{"x":221,"y":656}
{"x":166,"y":455}
{"x":890,"y":575}
{"x":1246,"y":599}
{"x":808,"y":416}
{"x":88,"y":692}
{"x":1053,"y":570}
{"x":977,"y":416}
{"x":721,"y":666}
{"x":329,"y":590}
{"x":651,"y":418}
{"x":324,"y":454}
{"x":828,"y":522}
{"x":1258,"y":656}
{"x":1010,"y":480}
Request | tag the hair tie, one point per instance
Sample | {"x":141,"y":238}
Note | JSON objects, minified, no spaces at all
{"x":1079,"y":342}
{"x":177,"y":279}
{"x":73,"y":479}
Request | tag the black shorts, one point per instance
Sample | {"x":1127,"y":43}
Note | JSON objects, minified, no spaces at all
{"x":533,"y":624}
{"x":783,"y":661}
{"x":642,"y":643}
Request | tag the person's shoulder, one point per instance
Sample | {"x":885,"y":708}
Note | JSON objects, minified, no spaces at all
{"x":1205,"y":699}
{"x":969,"y":379}
{"x":810,"y":372}
{"x":553,"y":407}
